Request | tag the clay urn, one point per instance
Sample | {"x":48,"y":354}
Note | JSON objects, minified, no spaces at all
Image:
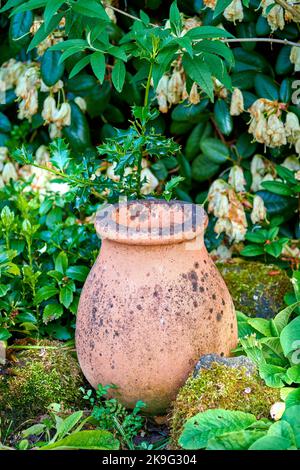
{"x":153,"y":303}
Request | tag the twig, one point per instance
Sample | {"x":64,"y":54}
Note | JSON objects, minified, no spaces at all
{"x":271,"y":40}
{"x":278,"y":41}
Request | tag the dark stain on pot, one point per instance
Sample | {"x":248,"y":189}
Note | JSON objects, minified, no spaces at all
{"x":201,"y":289}
{"x":193,"y":277}
{"x":195,"y":304}
{"x":219,"y":316}
{"x":139,"y":307}
{"x":214,"y":296}
{"x":211,"y":310}
{"x":223,"y":302}
{"x":196,"y":265}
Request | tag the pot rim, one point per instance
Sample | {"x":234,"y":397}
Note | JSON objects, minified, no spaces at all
{"x":151,"y":222}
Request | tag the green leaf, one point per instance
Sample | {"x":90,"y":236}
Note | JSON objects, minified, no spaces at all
{"x":221,"y":5}
{"x":262,"y":325}
{"x":252,"y":250}
{"x":4,"y":289}
{"x":204,"y":426}
{"x":222,"y":116}
{"x":265,"y":87}
{"x":277,"y":187}
{"x":4,"y":334}
{"x":258,"y":236}
{"x":199,"y":72}
{"x":60,"y":155}
{"x":88,"y":440}
{"x":239,"y":440}
{"x":272,"y":375}
{"x":51,"y":8}
{"x":77,"y":273}
{"x":293,"y":374}
{"x":66,"y":295}
{"x":68,"y":424}
{"x":61,"y":262}
{"x":203,"y":168}
{"x":290,"y":337}
{"x":215,"y":150}
{"x":292,"y":416}
{"x":52,"y":312}
{"x":90,"y":8}
{"x":10,"y":4}
{"x":118,"y":75}
{"x":215,"y":47}
{"x":43,"y":32}
{"x":175,"y":19}
{"x":190,"y":112}
{"x":80,"y":65}
{"x":52,"y":68}
{"x":44,"y":293}
{"x":30,"y":5}
{"x":202,"y":32}
{"x":98,"y":65}
{"x":271,"y":443}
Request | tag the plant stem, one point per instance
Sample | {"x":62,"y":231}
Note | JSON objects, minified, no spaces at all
{"x":271,"y":40}
{"x":146,"y":99}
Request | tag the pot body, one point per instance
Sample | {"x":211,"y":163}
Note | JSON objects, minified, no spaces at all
{"x":147,"y":314}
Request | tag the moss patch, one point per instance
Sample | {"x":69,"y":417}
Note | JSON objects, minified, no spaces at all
{"x":221,"y":387}
{"x":37,"y":378}
{"x":257,"y":289}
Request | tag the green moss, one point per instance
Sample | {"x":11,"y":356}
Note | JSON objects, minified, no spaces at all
{"x":221,"y":387}
{"x":38,"y":378}
{"x":257,"y":289}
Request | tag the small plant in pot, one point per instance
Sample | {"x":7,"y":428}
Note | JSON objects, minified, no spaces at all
{"x":154,"y":301}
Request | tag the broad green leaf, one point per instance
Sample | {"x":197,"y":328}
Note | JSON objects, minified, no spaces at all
{"x":60,"y":155}
{"x":277,"y":187}
{"x":98,"y":65}
{"x":30,"y":5}
{"x":221,"y":6}
{"x":51,"y":8}
{"x":203,"y":168}
{"x":66,"y":295}
{"x":292,"y":416}
{"x":52,"y":312}
{"x":293,"y":374}
{"x":252,"y":250}
{"x":215,"y":47}
{"x":282,"y":318}
{"x":90,"y":8}
{"x":290,"y":339}
{"x":80,"y":65}
{"x":238,"y":440}
{"x":262,"y":325}
{"x":45,"y":293}
{"x":272,"y":375}
{"x":215,"y":150}
{"x":78,"y":273}
{"x":199,"y":72}
{"x":175,"y":19}
{"x":211,"y":423}
{"x":118,"y":75}
{"x":4,"y":334}
{"x":4,"y":289}
{"x":61,"y":262}
{"x":68,"y":424}
{"x":88,"y":440}
{"x":271,"y":443}
{"x":258,"y":236}
{"x":202,"y":32}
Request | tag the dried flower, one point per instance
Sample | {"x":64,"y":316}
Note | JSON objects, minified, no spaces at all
{"x":234,"y":12}
{"x":81,"y":103}
{"x":151,"y":182}
{"x":295,"y":57}
{"x":259,"y":211}
{"x":276,"y":131}
{"x":237,"y":103}
{"x":9,"y":172}
{"x":175,"y":87}
{"x":236,"y":178}
{"x":162,"y":94}
{"x":292,"y":163}
{"x":194,"y":96}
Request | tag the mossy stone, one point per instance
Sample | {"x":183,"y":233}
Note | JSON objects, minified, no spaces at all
{"x":38,"y":377}
{"x":257,"y":289}
{"x":220,"y":386}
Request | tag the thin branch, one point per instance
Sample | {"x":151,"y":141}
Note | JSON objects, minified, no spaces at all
{"x":271,"y":40}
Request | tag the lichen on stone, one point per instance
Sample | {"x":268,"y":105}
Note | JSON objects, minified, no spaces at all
{"x":257,"y":289}
{"x":221,"y":387}
{"x":38,"y":377}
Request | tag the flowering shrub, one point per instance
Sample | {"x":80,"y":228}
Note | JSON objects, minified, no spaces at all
{"x":226,"y":93}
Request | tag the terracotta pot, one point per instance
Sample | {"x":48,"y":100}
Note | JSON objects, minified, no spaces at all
{"x":153,"y":302}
